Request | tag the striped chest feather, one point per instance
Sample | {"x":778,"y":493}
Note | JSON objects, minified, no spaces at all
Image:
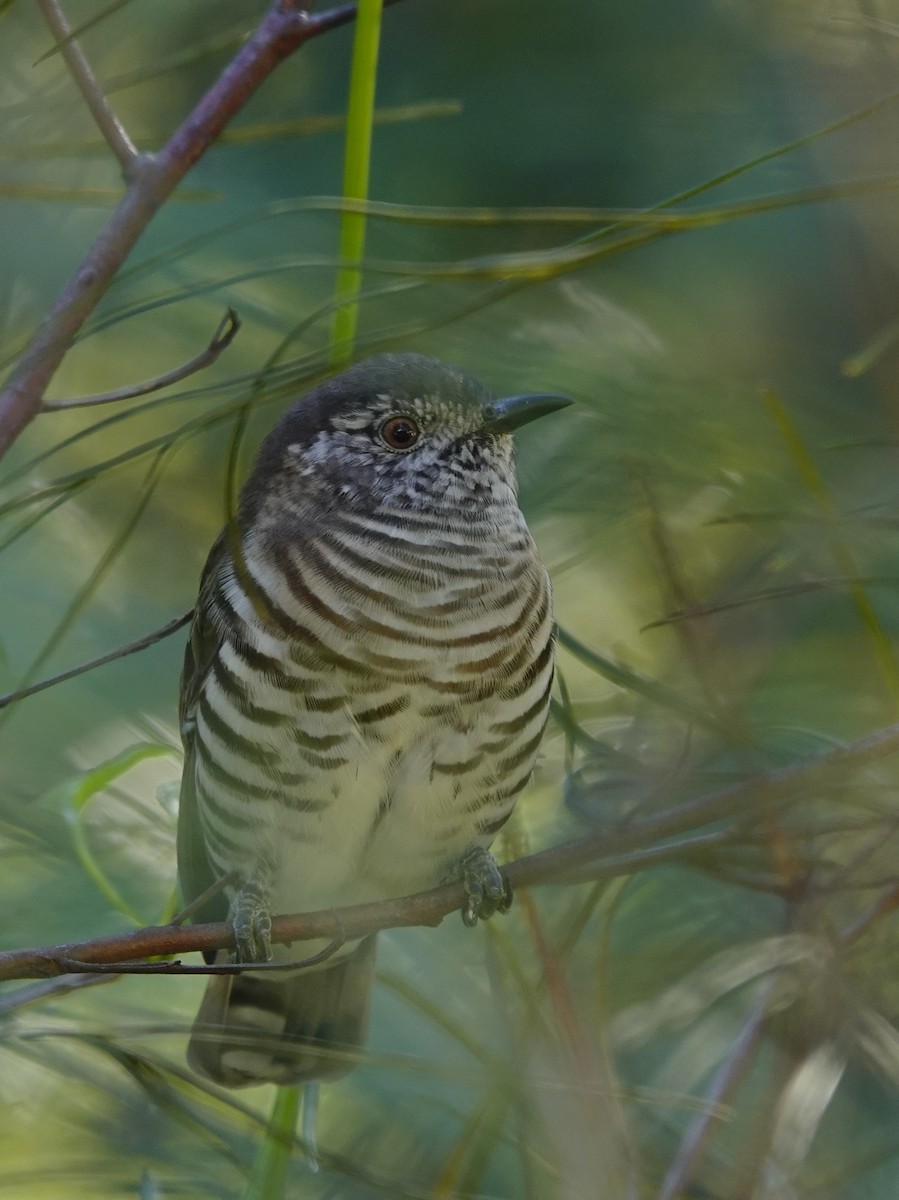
{"x":374,"y":704}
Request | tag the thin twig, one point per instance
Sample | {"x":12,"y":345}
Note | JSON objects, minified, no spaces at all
{"x":176,"y":967}
{"x":149,"y":639}
{"x":107,"y":122}
{"x":605,"y":849}
{"x":221,"y":340}
{"x":211,"y":892}
{"x":803,"y":588}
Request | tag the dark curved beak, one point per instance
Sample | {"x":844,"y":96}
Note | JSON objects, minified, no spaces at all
{"x":510,"y":412}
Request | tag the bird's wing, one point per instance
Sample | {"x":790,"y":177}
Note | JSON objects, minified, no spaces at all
{"x":194,"y":872}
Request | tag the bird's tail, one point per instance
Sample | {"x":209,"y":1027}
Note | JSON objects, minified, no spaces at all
{"x":284,"y":1028}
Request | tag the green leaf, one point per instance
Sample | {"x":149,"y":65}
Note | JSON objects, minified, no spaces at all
{"x":76,"y":794}
{"x":73,"y":798}
{"x":630,"y":680}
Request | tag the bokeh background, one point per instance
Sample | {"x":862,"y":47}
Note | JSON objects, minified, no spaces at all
{"x":718,"y":515}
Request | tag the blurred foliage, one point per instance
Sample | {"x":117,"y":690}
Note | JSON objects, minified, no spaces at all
{"x":719,"y":1016}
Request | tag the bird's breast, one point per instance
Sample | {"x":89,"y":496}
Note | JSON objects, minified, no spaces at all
{"x":381,"y":691}
{"x":443,"y":602}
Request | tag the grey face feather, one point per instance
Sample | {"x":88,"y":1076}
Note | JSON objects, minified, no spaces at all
{"x":327,"y":451}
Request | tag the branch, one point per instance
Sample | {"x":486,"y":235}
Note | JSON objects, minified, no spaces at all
{"x":609,"y":853}
{"x":107,"y":122}
{"x":143,"y":643}
{"x":285,"y":28}
{"x":221,"y":340}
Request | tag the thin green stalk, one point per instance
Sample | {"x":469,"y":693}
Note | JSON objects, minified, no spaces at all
{"x":273,"y":1157}
{"x":357,"y":158}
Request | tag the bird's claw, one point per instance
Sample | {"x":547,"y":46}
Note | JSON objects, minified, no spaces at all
{"x":488,"y":889}
{"x":251,"y":920}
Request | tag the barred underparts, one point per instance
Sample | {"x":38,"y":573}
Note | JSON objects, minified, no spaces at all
{"x":364,"y":691}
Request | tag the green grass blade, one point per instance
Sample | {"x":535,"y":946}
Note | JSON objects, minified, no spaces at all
{"x":360,"y":117}
{"x":66,"y":195}
{"x":269,"y":1177}
{"x":632,"y":681}
{"x":73,"y":798}
{"x":241,"y":135}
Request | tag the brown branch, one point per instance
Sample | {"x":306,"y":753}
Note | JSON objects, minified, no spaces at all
{"x":285,"y":27}
{"x":77,"y":966}
{"x":221,"y":340}
{"x":610,"y":852}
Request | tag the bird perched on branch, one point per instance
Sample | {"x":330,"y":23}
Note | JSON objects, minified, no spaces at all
{"x":364,"y":691}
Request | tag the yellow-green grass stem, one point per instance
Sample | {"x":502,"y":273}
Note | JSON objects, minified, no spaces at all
{"x":357,"y":160}
{"x":269,"y":1175}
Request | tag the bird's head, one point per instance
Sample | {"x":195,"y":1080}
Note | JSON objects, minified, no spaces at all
{"x":399,"y":431}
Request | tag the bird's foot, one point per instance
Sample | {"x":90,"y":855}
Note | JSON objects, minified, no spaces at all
{"x":488,"y":889}
{"x":251,"y":919}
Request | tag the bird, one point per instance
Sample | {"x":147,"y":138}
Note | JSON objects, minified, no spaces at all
{"x":365,"y":687}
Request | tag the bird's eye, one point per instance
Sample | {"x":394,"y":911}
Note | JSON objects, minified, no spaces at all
{"x":400,"y":433}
